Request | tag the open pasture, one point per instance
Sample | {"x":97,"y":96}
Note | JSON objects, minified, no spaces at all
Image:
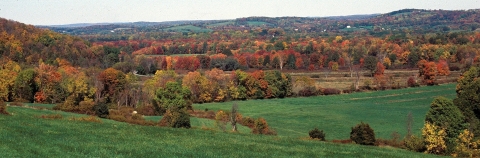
{"x":385,"y":111}
{"x":24,"y":134}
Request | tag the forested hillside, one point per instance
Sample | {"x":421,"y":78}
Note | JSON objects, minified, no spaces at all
{"x":126,"y":71}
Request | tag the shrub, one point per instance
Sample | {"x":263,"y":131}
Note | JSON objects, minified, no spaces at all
{"x":147,"y":110}
{"x":393,"y":142}
{"x":52,"y":116}
{"x":466,"y":146}
{"x":368,"y":84}
{"x":3,"y":108}
{"x":363,"y":134}
{"x":414,"y":143}
{"x":86,"y":107}
{"x":317,"y":134}
{"x":261,"y":127}
{"x":86,"y":119}
{"x":411,"y":82}
{"x":101,"y":110}
{"x":315,"y":76}
{"x":346,"y":91}
{"x":221,"y":119}
{"x":248,"y":121}
{"x":331,"y":91}
{"x":176,"y":118}
{"x":307,"y":91}
{"x":125,"y":114}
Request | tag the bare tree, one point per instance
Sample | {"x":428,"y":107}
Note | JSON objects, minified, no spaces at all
{"x":409,"y":124}
{"x":233,"y":117}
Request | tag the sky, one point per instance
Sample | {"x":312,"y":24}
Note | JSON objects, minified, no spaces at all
{"x":56,"y":12}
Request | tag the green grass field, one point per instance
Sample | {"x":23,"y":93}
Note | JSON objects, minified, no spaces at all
{"x":385,"y":111}
{"x":257,"y":23}
{"x":187,"y":28}
{"x":23,"y":134}
{"x":222,"y":23}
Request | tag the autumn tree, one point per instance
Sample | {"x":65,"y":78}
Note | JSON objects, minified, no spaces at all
{"x":434,"y":137}
{"x":48,"y":79}
{"x":113,"y":82}
{"x":8,"y":73}
{"x":442,"y":68}
{"x":379,"y":76}
{"x":199,"y":86}
{"x":428,"y":71}
{"x":217,"y":85}
{"x":466,"y":145}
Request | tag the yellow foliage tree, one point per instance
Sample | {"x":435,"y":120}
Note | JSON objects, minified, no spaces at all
{"x":199,"y":86}
{"x":466,"y":146}
{"x":434,"y":139}
{"x":8,"y":74}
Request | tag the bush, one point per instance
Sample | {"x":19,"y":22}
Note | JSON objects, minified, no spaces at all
{"x":3,"y":108}
{"x":315,"y":76}
{"x":176,"y":118}
{"x":147,"y":110}
{"x":101,"y":110}
{"x":411,"y":82}
{"x":86,"y":107}
{"x":248,"y":121}
{"x":414,"y":143}
{"x":363,"y":134}
{"x":368,"y":84}
{"x":125,"y":114}
{"x":307,"y":91}
{"x":331,"y":91}
{"x":52,"y":116}
{"x":86,"y":119}
{"x":261,"y":127}
{"x":317,"y":134}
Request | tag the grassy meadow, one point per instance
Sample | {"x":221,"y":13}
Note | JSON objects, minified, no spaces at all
{"x":24,"y":134}
{"x":188,"y":28}
{"x":385,"y":111}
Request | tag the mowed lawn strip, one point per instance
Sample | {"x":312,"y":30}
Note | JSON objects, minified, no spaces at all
{"x":385,"y":111}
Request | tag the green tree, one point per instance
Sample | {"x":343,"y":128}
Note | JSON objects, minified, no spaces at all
{"x":291,"y":62}
{"x":25,"y":86}
{"x":444,"y":114}
{"x":176,"y":99}
{"x":413,"y":59}
{"x":371,"y":64}
{"x":468,"y":98}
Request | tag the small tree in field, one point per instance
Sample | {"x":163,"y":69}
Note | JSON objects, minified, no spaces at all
{"x":363,"y":134}
{"x":233,"y":117}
